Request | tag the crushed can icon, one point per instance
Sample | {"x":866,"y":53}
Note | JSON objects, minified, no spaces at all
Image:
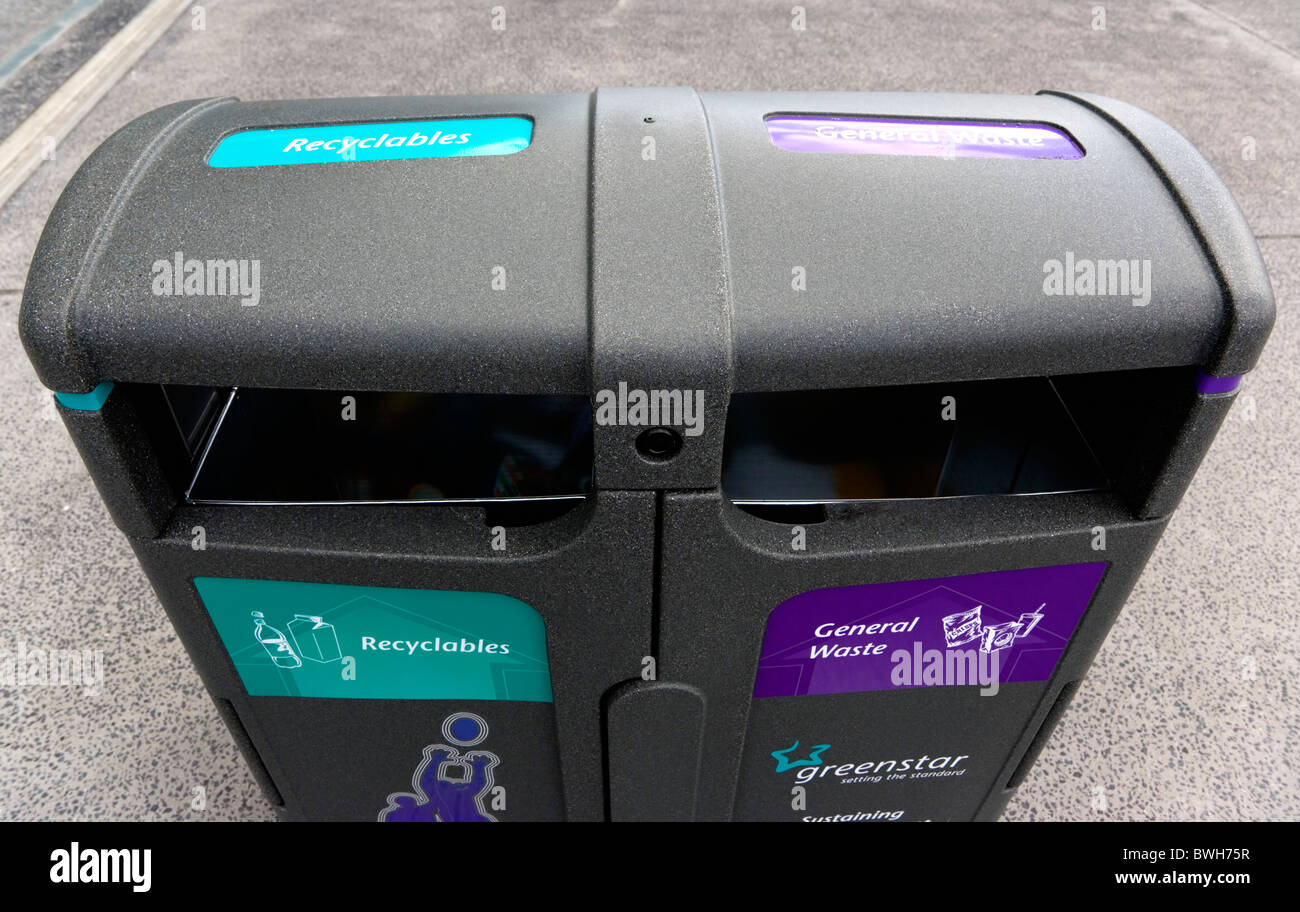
{"x":315,"y":638}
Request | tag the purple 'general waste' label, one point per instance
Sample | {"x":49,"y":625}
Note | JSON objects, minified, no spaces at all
{"x":885,"y":636}
{"x":940,"y":138}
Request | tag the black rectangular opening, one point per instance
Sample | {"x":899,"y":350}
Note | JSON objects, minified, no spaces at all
{"x":1036,"y":435}
{"x":193,"y":410}
{"x":270,"y":446}
{"x":1044,"y":732}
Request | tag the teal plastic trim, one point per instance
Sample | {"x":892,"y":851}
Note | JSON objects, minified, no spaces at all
{"x":92,"y":401}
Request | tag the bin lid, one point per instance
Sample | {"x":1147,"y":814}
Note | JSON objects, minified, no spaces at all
{"x":863,"y":239}
{"x":906,"y":238}
{"x":451,"y":264}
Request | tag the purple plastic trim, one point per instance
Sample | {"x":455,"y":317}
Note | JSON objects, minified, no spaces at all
{"x":937,"y":138}
{"x":1208,"y":386}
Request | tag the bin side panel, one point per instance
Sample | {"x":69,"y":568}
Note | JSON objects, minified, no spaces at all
{"x":653,"y":738}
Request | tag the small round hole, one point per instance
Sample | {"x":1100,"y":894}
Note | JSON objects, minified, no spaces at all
{"x":648,"y":120}
{"x":659,"y":444}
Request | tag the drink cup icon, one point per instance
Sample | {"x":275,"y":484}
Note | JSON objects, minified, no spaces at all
{"x":1029,"y":621}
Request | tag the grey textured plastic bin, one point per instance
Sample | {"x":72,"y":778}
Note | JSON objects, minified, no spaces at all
{"x":919,"y":428}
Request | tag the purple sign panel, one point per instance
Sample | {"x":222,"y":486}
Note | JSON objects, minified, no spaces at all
{"x":940,"y":138}
{"x":952,"y":631}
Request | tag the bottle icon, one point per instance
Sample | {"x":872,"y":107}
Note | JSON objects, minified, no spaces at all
{"x":274,"y":642}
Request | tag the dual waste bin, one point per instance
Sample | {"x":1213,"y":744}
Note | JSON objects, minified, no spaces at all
{"x":644,"y":454}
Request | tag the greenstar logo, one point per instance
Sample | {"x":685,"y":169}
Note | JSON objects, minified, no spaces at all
{"x":784,"y":763}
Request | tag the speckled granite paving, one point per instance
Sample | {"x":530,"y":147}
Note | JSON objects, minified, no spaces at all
{"x":1192,"y":710}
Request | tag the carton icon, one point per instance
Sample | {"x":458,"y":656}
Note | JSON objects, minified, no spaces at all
{"x":999,"y":636}
{"x":315,"y":639}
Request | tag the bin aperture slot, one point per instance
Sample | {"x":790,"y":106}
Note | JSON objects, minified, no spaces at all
{"x":311,"y":446}
{"x":994,"y":437}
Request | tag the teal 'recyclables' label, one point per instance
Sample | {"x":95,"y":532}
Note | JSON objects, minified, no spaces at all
{"x":291,"y":639}
{"x":373,"y":142}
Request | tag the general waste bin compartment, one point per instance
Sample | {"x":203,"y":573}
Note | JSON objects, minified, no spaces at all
{"x":990,"y":437}
{"x":312,"y":446}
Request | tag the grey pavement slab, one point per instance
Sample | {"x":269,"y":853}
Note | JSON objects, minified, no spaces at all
{"x":65,"y":35}
{"x":1277,"y":21}
{"x":1187,"y":713}
{"x":140,"y":748}
{"x":26,"y":26}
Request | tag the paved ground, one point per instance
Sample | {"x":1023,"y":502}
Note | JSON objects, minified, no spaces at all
{"x":1193,"y":708}
{"x":28,"y":26}
{"x":43,"y":43}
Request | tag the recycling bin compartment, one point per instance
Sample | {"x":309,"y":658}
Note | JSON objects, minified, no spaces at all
{"x":347,"y":641}
{"x":398,"y":429}
{"x":340,"y":409}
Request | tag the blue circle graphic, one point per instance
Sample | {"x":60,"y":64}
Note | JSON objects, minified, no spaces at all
{"x":465,"y":729}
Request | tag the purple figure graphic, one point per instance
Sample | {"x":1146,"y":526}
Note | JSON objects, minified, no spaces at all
{"x":449,"y":786}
